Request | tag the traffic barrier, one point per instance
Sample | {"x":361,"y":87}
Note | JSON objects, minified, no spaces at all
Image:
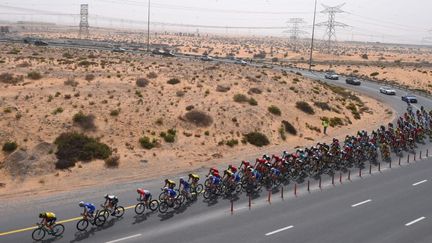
{"x":308,"y":188}
{"x":295,"y":189}
{"x":349,"y":175}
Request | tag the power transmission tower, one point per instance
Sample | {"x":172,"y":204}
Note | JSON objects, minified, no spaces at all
{"x":295,"y":30}
{"x":331,"y":23}
{"x":84,"y":25}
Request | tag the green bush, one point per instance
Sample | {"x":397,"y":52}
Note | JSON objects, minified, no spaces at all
{"x":232,"y":142}
{"x":252,"y":102}
{"x":34,"y":75}
{"x":173,"y":81}
{"x":57,"y":111}
{"x":256,"y":138}
{"x":241,"y":98}
{"x":10,"y":147}
{"x":142,"y":82}
{"x":73,"y":147}
{"x":114,"y":112}
{"x":289,"y":128}
{"x":169,"y":136}
{"x":275,"y":110}
{"x":152,"y":75}
{"x":86,"y":122}
{"x":305,"y":107}
{"x":147,"y":143}
{"x":323,"y":106}
{"x":374,"y":74}
{"x":281,"y":131}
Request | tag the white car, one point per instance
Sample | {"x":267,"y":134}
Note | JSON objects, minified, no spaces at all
{"x":387,"y":91}
{"x":206,"y":58}
{"x":241,"y":62}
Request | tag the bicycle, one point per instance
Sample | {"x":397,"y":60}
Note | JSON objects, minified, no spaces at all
{"x":39,"y":233}
{"x":97,"y":220}
{"x":153,"y":205}
{"x":116,"y":211}
{"x":169,"y":202}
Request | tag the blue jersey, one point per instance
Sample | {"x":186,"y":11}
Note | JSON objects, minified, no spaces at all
{"x":171,"y":193}
{"x":185,"y":184}
{"x":90,"y":207}
{"x":216,"y":180}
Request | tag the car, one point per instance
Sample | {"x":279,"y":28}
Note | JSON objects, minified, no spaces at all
{"x":241,"y":62}
{"x":40,"y":43}
{"x":206,"y":58}
{"x":387,"y":90}
{"x":166,"y":53}
{"x":331,"y":76}
{"x":353,"y":81}
{"x":409,"y":98}
{"x":118,"y":49}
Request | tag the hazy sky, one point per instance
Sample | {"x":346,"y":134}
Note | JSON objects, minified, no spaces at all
{"x":369,"y":20}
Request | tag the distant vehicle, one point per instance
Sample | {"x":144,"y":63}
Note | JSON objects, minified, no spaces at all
{"x":28,"y":40}
{"x":206,"y":58}
{"x":241,"y":62}
{"x":163,"y":53}
{"x":40,"y":43}
{"x":118,"y":49}
{"x":387,"y":91}
{"x":352,"y":81}
{"x":409,"y":98}
{"x":331,"y":76}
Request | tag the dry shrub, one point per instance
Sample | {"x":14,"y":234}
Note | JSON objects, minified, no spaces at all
{"x":86,"y":122}
{"x":34,"y":75}
{"x":113,"y":161}
{"x":199,"y":118}
{"x":256,"y":138}
{"x":89,"y":77}
{"x":71,"y":82}
{"x":305,"y":107}
{"x":142,"y":82}
{"x":152,"y":75}
{"x":9,"y":78}
{"x":289,"y":128}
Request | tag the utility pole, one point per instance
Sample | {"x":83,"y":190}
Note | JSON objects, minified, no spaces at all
{"x":84,"y":25}
{"x":148,"y":27}
{"x":313,"y":35}
{"x":331,"y":23}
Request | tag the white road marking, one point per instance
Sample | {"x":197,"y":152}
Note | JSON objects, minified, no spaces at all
{"x":360,"y":203}
{"x":124,"y":238}
{"x":420,"y":182}
{"x":279,"y":230}
{"x":415,"y":221}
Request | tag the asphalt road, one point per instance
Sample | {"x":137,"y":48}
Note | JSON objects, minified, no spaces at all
{"x":319,"y":217}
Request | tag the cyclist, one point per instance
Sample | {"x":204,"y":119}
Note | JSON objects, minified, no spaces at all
{"x":213,"y":171}
{"x":110,"y":201}
{"x":145,"y":195}
{"x":232,"y":168}
{"x":194,"y":179}
{"x":89,"y":209}
{"x":170,"y":184}
{"x":186,"y":185}
{"x":48,"y":219}
{"x":169,"y":193}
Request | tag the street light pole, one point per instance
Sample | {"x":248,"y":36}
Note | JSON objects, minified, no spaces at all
{"x":313,"y":35}
{"x":148,"y":27}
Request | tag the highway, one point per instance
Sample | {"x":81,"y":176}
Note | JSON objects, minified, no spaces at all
{"x":384,"y":206}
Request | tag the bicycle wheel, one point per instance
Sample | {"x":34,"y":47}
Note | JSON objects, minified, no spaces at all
{"x":163,"y":207}
{"x":100,"y":220}
{"x":58,"y":230}
{"x":199,"y":188}
{"x":177,"y":203}
{"x":238,"y":188}
{"x":105,"y":212}
{"x":153,"y":205}
{"x":207,"y":182}
{"x":162,"y":196}
{"x":140,"y":208}
{"x":82,"y":225}
{"x":207,"y":194}
{"x":38,"y":234}
{"x":119,"y":211}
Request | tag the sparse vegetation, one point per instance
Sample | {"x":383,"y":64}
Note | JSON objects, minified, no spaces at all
{"x":289,"y":128}
{"x":142,"y":82}
{"x":169,"y":136}
{"x":9,"y":78}
{"x":256,"y":138}
{"x":374,"y":74}
{"x":152,"y":75}
{"x":323,"y":106}
{"x":115,"y":112}
{"x":73,"y":147}
{"x":173,"y":81}
{"x":57,"y":111}
{"x":89,"y":77}
{"x":71,"y":82}
{"x":34,"y":75}
{"x":113,"y":161}
{"x":9,"y":147}
{"x":241,"y":98}
{"x":305,"y":107}
{"x":232,"y":142}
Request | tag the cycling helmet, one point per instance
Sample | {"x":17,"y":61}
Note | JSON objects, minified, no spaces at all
{"x":81,"y":204}
{"x":140,"y":190}
{"x":181,"y":179}
{"x":41,"y":215}
{"x":106,"y":196}
{"x":190,"y":175}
